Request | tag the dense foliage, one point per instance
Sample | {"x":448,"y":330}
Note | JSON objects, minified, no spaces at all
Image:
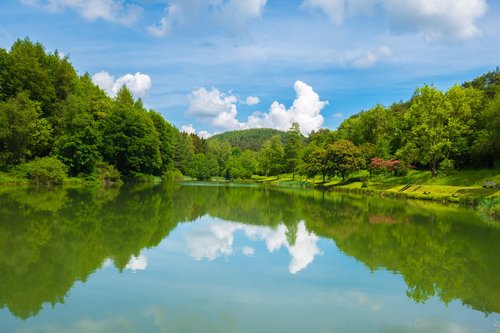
{"x":252,"y":138}
{"x":48,"y":110}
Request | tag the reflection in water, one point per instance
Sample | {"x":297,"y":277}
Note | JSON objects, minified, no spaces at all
{"x":49,"y":239}
{"x":137,"y":263}
{"x":215,"y":239}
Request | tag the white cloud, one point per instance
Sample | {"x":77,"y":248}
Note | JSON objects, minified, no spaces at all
{"x":232,"y":14}
{"x":137,"y":83}
{"x":437,"y":19}
{"x":91,"y":10}
{"x":218,"y":107}
{"x":252,"y":100}
{"x":212,"y":240}
{"x":137,"y":263}
{"x":220,"y":110}
{"x":236,"y":13}
{"x":334,"y":9}
{"x":306,"y":111}
{"x":204,"y":134}
{"x":204,"y":103}
{"x":338,"y":115}
{"x":304,"y":250}
{"x":164,"y":27}
{"x":189,"y":129}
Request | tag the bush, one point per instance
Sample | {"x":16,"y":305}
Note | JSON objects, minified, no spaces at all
{"x":172,"y":175}
{"x":44,"y":171}
{"x":108,"y":174}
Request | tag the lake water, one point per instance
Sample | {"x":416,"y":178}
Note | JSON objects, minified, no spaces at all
{"x":206,"y":258}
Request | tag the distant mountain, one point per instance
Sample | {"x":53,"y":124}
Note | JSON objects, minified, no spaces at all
{"x":248,"y":139}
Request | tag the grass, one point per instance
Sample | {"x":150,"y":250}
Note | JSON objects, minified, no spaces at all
{"x":464,"y":187}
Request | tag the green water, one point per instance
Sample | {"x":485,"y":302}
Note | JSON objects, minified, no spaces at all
{"x":205,"y":258}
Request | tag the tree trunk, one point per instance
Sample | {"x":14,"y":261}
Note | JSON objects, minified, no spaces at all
{"x":324,"y":181}
{"x":434,"y":167}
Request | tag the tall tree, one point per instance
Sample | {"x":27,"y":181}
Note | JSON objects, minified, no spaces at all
{"x":130,"y":140}
{"x":292,"y":149}
{"x":271,"y":156}
{"x":20,"y":130}
{"x":425,"y":136}
{"x":166,"y":138}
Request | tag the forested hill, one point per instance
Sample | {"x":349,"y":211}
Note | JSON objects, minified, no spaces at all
{"x":252,"y":139}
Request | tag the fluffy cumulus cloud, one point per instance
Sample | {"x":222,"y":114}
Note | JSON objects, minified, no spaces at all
{"x":91,"y":10}
{"x":220,"y":110}
{"x":213,"y":240}
{"x":232,"y":14}
{"x":437,"y":20}
{"x":137,"y":83}
{"x":216,"y":106}
{"x":306,"y":111}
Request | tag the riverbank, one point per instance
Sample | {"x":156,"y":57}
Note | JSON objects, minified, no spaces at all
{"x":463,"y":187}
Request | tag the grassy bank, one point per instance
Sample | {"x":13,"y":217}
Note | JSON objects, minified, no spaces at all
{"x":464,"y":187}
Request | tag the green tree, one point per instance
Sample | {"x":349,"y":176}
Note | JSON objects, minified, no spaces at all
{"x":343,"y":158}
{"x":221,"y":150}
{"x":203,"y":167}
{"x":292,"y":149}
{"x":271,"y":156}
{"x":465,"y":104}
{"x":129,"y":138}
{"x":19,"y":120}
{"x":183,"y":151}
{"x":166,"y":137}
{"x":316,"y":163}
{"x":29,"y":71}
{"x":425,"y":131}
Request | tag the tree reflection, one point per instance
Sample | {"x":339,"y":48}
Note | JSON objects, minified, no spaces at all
{"x":49,"y":239}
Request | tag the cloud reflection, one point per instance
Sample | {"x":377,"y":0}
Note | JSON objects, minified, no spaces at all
{"x":216,"y":239}
{"x":137,"y":263}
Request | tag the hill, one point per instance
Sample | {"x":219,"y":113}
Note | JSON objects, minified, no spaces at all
{"x":249,"y":138}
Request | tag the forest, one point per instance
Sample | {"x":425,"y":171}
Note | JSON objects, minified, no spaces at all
{"x":55,"y":123}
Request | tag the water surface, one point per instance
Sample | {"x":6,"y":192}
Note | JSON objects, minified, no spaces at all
{"x":191,"y":258}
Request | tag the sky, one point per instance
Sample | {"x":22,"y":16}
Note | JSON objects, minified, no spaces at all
{"x":209,"y":66}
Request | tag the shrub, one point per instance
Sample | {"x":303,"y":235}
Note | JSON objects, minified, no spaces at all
{"x":172,"y":175}
{"x":44,"y":171}
{"x":108,"y":174}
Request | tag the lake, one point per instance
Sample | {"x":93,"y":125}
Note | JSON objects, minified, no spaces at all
{"x":203,"y":257}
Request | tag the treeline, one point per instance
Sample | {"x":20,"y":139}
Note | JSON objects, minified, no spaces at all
{"x":53,"y":119}
{"x":434,"y":130}
{"x":54,"y":122}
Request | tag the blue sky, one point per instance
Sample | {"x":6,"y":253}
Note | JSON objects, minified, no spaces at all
{"x":312,"y":61}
